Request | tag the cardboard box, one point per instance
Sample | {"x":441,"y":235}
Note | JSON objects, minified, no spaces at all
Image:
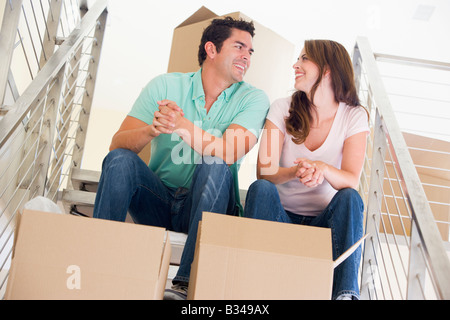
{"x":59,"y":256}
{"x":240,"y":258}
{"x":271,"y":65}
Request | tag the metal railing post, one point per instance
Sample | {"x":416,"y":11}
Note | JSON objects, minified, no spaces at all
{"x":48,"y":131}
{"x":356,"y":59}
{"x":49,"y":38}
{"x":370,"y":273}
{"x":417,"y":267}
{"x":90,"y":88}
{"x":65,"y":112}
{"x":8,"y":33}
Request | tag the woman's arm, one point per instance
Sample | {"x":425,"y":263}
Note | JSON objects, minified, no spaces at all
{"x":268,"y":165}
{"x":312,"y":173}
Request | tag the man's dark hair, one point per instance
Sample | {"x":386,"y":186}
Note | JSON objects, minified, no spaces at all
{"x":220,"y":30}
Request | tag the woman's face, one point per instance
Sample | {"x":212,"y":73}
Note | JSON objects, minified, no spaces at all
{"x":306,"y":73}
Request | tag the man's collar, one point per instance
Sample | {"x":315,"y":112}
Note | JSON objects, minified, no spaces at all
{"x":198,"y":91}
{"x":197,"y":85}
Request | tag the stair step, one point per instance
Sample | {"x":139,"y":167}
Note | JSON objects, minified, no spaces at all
{"x":79,"y":197}
{"x":85,"y":179}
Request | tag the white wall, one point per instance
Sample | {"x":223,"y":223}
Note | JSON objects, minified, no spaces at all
{"x":139,"y":34}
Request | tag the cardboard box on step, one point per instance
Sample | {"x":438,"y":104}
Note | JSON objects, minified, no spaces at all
{"x":67,"y":257}
{"x":240,"y":258}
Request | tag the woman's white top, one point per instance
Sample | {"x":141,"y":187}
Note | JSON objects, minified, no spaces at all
{"x":296,"y":197}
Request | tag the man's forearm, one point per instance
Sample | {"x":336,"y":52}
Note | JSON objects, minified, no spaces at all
{"x":133,"y":139}
{"x":235,"y":142}
{"x":233,"y":145}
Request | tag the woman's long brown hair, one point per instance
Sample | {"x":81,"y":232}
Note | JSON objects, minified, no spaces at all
{"x":326,"y":54}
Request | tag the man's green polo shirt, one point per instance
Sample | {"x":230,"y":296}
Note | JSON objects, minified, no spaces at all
{"x":171,"y":158}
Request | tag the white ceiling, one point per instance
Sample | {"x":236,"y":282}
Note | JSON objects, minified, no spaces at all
{"x":139,"y":33}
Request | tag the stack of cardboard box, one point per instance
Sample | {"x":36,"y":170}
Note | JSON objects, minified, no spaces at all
{"x":59,"y":256}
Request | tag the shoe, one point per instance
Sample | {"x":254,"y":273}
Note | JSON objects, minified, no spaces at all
{"x":345,"y":296}
{"x":177,"y":292}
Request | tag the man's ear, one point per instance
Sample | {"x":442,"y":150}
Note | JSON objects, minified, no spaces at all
{"x":210,"y":49}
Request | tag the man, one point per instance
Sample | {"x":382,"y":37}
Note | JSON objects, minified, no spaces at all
{"x":199,"y":125}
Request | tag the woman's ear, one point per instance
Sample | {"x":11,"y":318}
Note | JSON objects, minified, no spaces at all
{"x":327,"y":73}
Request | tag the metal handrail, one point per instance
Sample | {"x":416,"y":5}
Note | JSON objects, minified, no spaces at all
{"x":430,"y":64}
{"x":23,"y":105}
{"x":425,"y":237}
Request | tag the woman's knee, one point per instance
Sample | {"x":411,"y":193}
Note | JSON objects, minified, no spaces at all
{"x":350,"y":199}
{"x":260,"y":194}
{"x":350,"y":195}
{"x":263,"y":202}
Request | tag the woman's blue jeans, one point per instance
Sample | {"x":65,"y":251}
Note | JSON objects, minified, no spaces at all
{"x":128,"y":185}
{"x":344,"y":215}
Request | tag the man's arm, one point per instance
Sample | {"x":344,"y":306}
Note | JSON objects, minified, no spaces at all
{"x":233,"y":145}
{"x":133,"y":135}
{"x":236,"y":142}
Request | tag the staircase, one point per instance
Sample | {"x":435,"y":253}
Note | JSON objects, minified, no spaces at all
{"x":44,"y":113}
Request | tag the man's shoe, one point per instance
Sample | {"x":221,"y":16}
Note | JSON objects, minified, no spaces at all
{"x":177,"y":292}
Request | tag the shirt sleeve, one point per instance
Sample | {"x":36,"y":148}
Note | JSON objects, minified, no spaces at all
{"x":358,"y":121}
{"x":278,"y":112}
{"x":254,"y":111}
{"x":146,"y":103}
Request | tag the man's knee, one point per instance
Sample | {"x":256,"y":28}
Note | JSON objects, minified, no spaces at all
{"x":213,"y":167}
{"x":261,"y":187}
{"x":120,"y":157}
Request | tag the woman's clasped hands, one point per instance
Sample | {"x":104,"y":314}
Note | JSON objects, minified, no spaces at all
{"x":310,"y":173}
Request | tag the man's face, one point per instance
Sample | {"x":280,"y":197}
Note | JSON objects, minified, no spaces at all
{"x":233,"y":60}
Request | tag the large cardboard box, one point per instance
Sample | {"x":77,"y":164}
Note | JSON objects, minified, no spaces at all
{"x":271,"y":64}
{"x":67,"y":257}
{"x":240,"y":258}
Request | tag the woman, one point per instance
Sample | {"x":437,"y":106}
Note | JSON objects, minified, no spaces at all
{"x":311,"y":156}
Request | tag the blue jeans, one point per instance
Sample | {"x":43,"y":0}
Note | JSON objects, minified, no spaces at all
{"x":344,"y":215}
{"x":128,"y":185}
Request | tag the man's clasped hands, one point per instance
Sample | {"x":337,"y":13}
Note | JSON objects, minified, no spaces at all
{"x":168,"y":118}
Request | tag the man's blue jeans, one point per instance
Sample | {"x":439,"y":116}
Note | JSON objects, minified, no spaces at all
{"x":344,"y":215}
{"x":128,"y":185}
